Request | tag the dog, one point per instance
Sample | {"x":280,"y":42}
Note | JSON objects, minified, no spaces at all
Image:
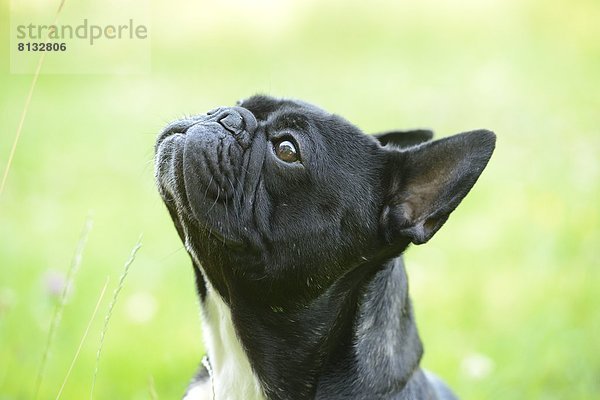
{"x":295,"y":222}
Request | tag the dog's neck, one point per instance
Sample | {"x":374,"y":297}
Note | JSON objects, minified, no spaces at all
{"x":356,"y":339}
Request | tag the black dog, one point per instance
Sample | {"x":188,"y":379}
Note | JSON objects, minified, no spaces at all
{"x":295,"y":222}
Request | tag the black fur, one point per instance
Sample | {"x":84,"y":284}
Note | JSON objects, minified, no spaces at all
{"x":307,"y":254}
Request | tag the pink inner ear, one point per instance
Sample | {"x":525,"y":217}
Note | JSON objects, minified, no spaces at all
{"x":422,"y":195}
{"x":433,"y":179}
{"x":430,"y":224}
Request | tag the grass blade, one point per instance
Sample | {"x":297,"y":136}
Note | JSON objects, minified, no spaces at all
{"x":36,"y":75}
{"x":87,"y":329}
{"x":110,"y":310}
{"x":152,"y":388}
{"x":58,"y":309}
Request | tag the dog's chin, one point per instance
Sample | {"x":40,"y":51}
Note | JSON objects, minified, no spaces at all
{"x":212,"y":228}
{"x":194,"y":229}
{"x":202,"y":232}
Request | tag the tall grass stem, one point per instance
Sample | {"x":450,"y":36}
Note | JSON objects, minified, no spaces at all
{"x":110,"y":310}
{"x":36,"y":75}
{"x":87,"y":329}
{"x":60,"y":306}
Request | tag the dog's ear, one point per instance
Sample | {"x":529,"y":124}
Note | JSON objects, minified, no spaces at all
{"x":404,"y":139}
{"x":425,"y":183}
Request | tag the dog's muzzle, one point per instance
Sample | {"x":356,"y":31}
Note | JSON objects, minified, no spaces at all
{"x":201,"y":164}
{"x":238,"y":121}
{"x":209,"y":143}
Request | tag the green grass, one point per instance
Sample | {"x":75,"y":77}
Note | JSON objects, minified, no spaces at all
{"x":512,"y":279}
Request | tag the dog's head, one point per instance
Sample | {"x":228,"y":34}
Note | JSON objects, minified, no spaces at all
{"x":277,"y":199}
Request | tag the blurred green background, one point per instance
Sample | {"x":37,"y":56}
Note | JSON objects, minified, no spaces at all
{"x":506,"y":295}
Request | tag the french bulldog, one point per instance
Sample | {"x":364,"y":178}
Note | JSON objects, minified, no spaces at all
{"x":295,"y":222}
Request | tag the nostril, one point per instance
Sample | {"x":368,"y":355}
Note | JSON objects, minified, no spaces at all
{"x":214,"y":111}
{"x":233,"y":122}
{"x":178,"y":129}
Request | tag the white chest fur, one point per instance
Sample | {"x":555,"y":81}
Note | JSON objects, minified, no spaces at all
{"x":232,"y":376}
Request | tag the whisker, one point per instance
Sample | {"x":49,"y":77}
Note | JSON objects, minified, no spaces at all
{"x":214,"y":202}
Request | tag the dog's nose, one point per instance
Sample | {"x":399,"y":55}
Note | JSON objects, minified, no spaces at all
{"x":233,"y":122}
{"x":236,"y":120}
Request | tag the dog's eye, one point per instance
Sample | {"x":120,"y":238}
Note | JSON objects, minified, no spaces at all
{"x":286,"y":151}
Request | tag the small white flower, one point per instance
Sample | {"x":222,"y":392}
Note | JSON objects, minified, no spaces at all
{"x":477,"y":366}
{"x":141,"y":307}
